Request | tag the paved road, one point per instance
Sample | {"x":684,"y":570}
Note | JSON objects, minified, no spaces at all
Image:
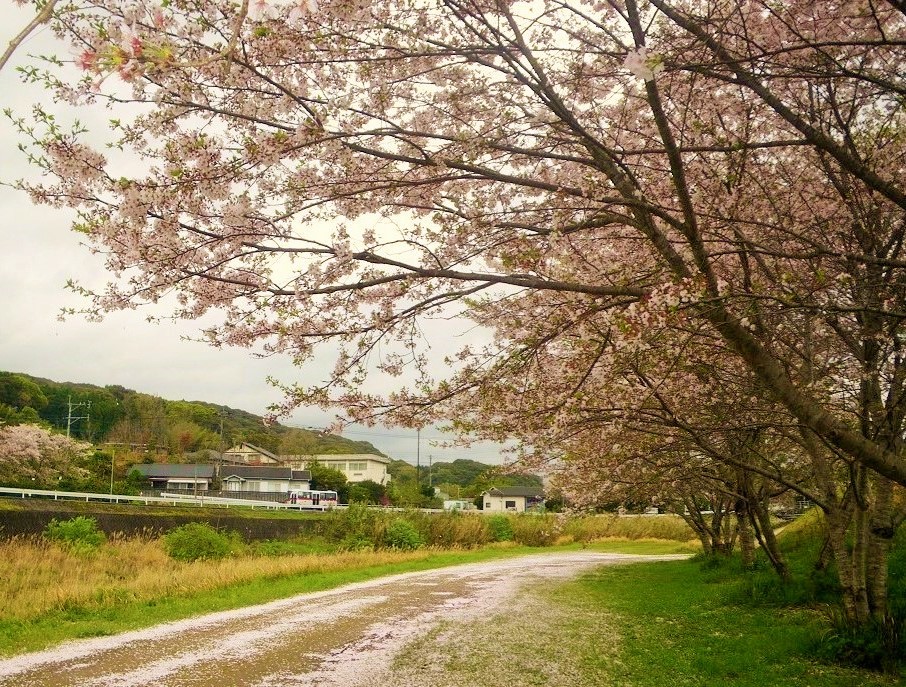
{"x":346,"y":636}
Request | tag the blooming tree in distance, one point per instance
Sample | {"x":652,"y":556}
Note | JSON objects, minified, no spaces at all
{"x":30,"y":454}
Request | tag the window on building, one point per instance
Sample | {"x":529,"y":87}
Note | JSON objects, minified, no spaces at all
{"x":358,"y":466}
{"x":510,"y":504}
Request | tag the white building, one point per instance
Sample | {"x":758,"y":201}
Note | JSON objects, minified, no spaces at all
{"x":177,"y":477}
{"x":511,"y":499}
{"x":357,"y":467}
{"x":258,"y":478}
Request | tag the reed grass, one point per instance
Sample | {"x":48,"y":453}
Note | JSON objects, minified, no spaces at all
{"x":41,"y":577}
{"x":592,"y":528}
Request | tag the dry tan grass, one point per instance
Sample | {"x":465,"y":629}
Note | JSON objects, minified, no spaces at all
{"x":40,"y":577}
{"x":670,"y":527}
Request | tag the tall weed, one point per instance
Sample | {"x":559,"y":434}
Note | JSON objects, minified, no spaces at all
{"x":79,"y":534}
{"x":535,"y":530}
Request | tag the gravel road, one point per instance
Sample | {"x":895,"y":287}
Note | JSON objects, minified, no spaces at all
{"x":344,"y":637}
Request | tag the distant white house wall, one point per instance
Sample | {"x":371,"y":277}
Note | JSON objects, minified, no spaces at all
{"x":357,"y":467}
{"x":511,"y":500}
{"x":504,"y":503}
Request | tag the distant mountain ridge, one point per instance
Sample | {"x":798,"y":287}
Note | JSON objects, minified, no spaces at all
{"x":116,"y":415}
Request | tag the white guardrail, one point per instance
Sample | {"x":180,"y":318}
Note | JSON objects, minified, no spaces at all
{"x":168,"y":498}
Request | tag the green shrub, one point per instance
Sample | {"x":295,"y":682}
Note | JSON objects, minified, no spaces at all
{"x":501,"y":528}
{"x":199,"y":541}
{"x":355,"y":542}
{"x":356,"y":524}
{"x":80,"y":532}
{"x":403,"y":536}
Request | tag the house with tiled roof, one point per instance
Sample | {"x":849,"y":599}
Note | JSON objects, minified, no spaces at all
{"x":177,"y":476}
{"x":263,"y":478}
{"x":249,"y":454}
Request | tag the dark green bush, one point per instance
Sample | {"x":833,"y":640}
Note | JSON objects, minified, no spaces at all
{"x":355,"y":522}
{"x":80,"y":532}
{"x":501,"y":528}
{"x":879,"y":644}
{"x":403,"y":536}
{"x":199,"y":541}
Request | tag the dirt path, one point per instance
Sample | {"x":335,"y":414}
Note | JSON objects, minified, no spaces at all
{"x":344,"y":637}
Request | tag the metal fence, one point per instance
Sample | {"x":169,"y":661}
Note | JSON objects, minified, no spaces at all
{"x":202,"y":498}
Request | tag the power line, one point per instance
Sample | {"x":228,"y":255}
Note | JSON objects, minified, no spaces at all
{"x":70,"y":418}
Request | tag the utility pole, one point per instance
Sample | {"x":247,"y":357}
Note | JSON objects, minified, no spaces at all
{"x":112,"y":458}
{"x":70,"y":418}
{"x":221,"y":448}
{"x":418,"y":458}
{"x":430,"y":471}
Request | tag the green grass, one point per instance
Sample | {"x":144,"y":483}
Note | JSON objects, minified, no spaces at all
{"x":676,"y":627}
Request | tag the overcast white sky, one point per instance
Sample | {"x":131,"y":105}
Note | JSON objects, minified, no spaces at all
{"x":40,"y":253}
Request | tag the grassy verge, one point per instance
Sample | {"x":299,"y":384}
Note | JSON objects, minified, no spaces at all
{"x":645,"y":624}
{"x":677,"y":627}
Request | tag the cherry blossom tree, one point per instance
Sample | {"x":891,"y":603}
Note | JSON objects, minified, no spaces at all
{"x":34,"y":456}
{"x":339,"y":172}
{"x":719,"y":181}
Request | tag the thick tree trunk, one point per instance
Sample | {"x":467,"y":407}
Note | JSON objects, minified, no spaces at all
{"x":854,"y":596}
{"x":746,"y":539}
{"x":880,"y":538}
